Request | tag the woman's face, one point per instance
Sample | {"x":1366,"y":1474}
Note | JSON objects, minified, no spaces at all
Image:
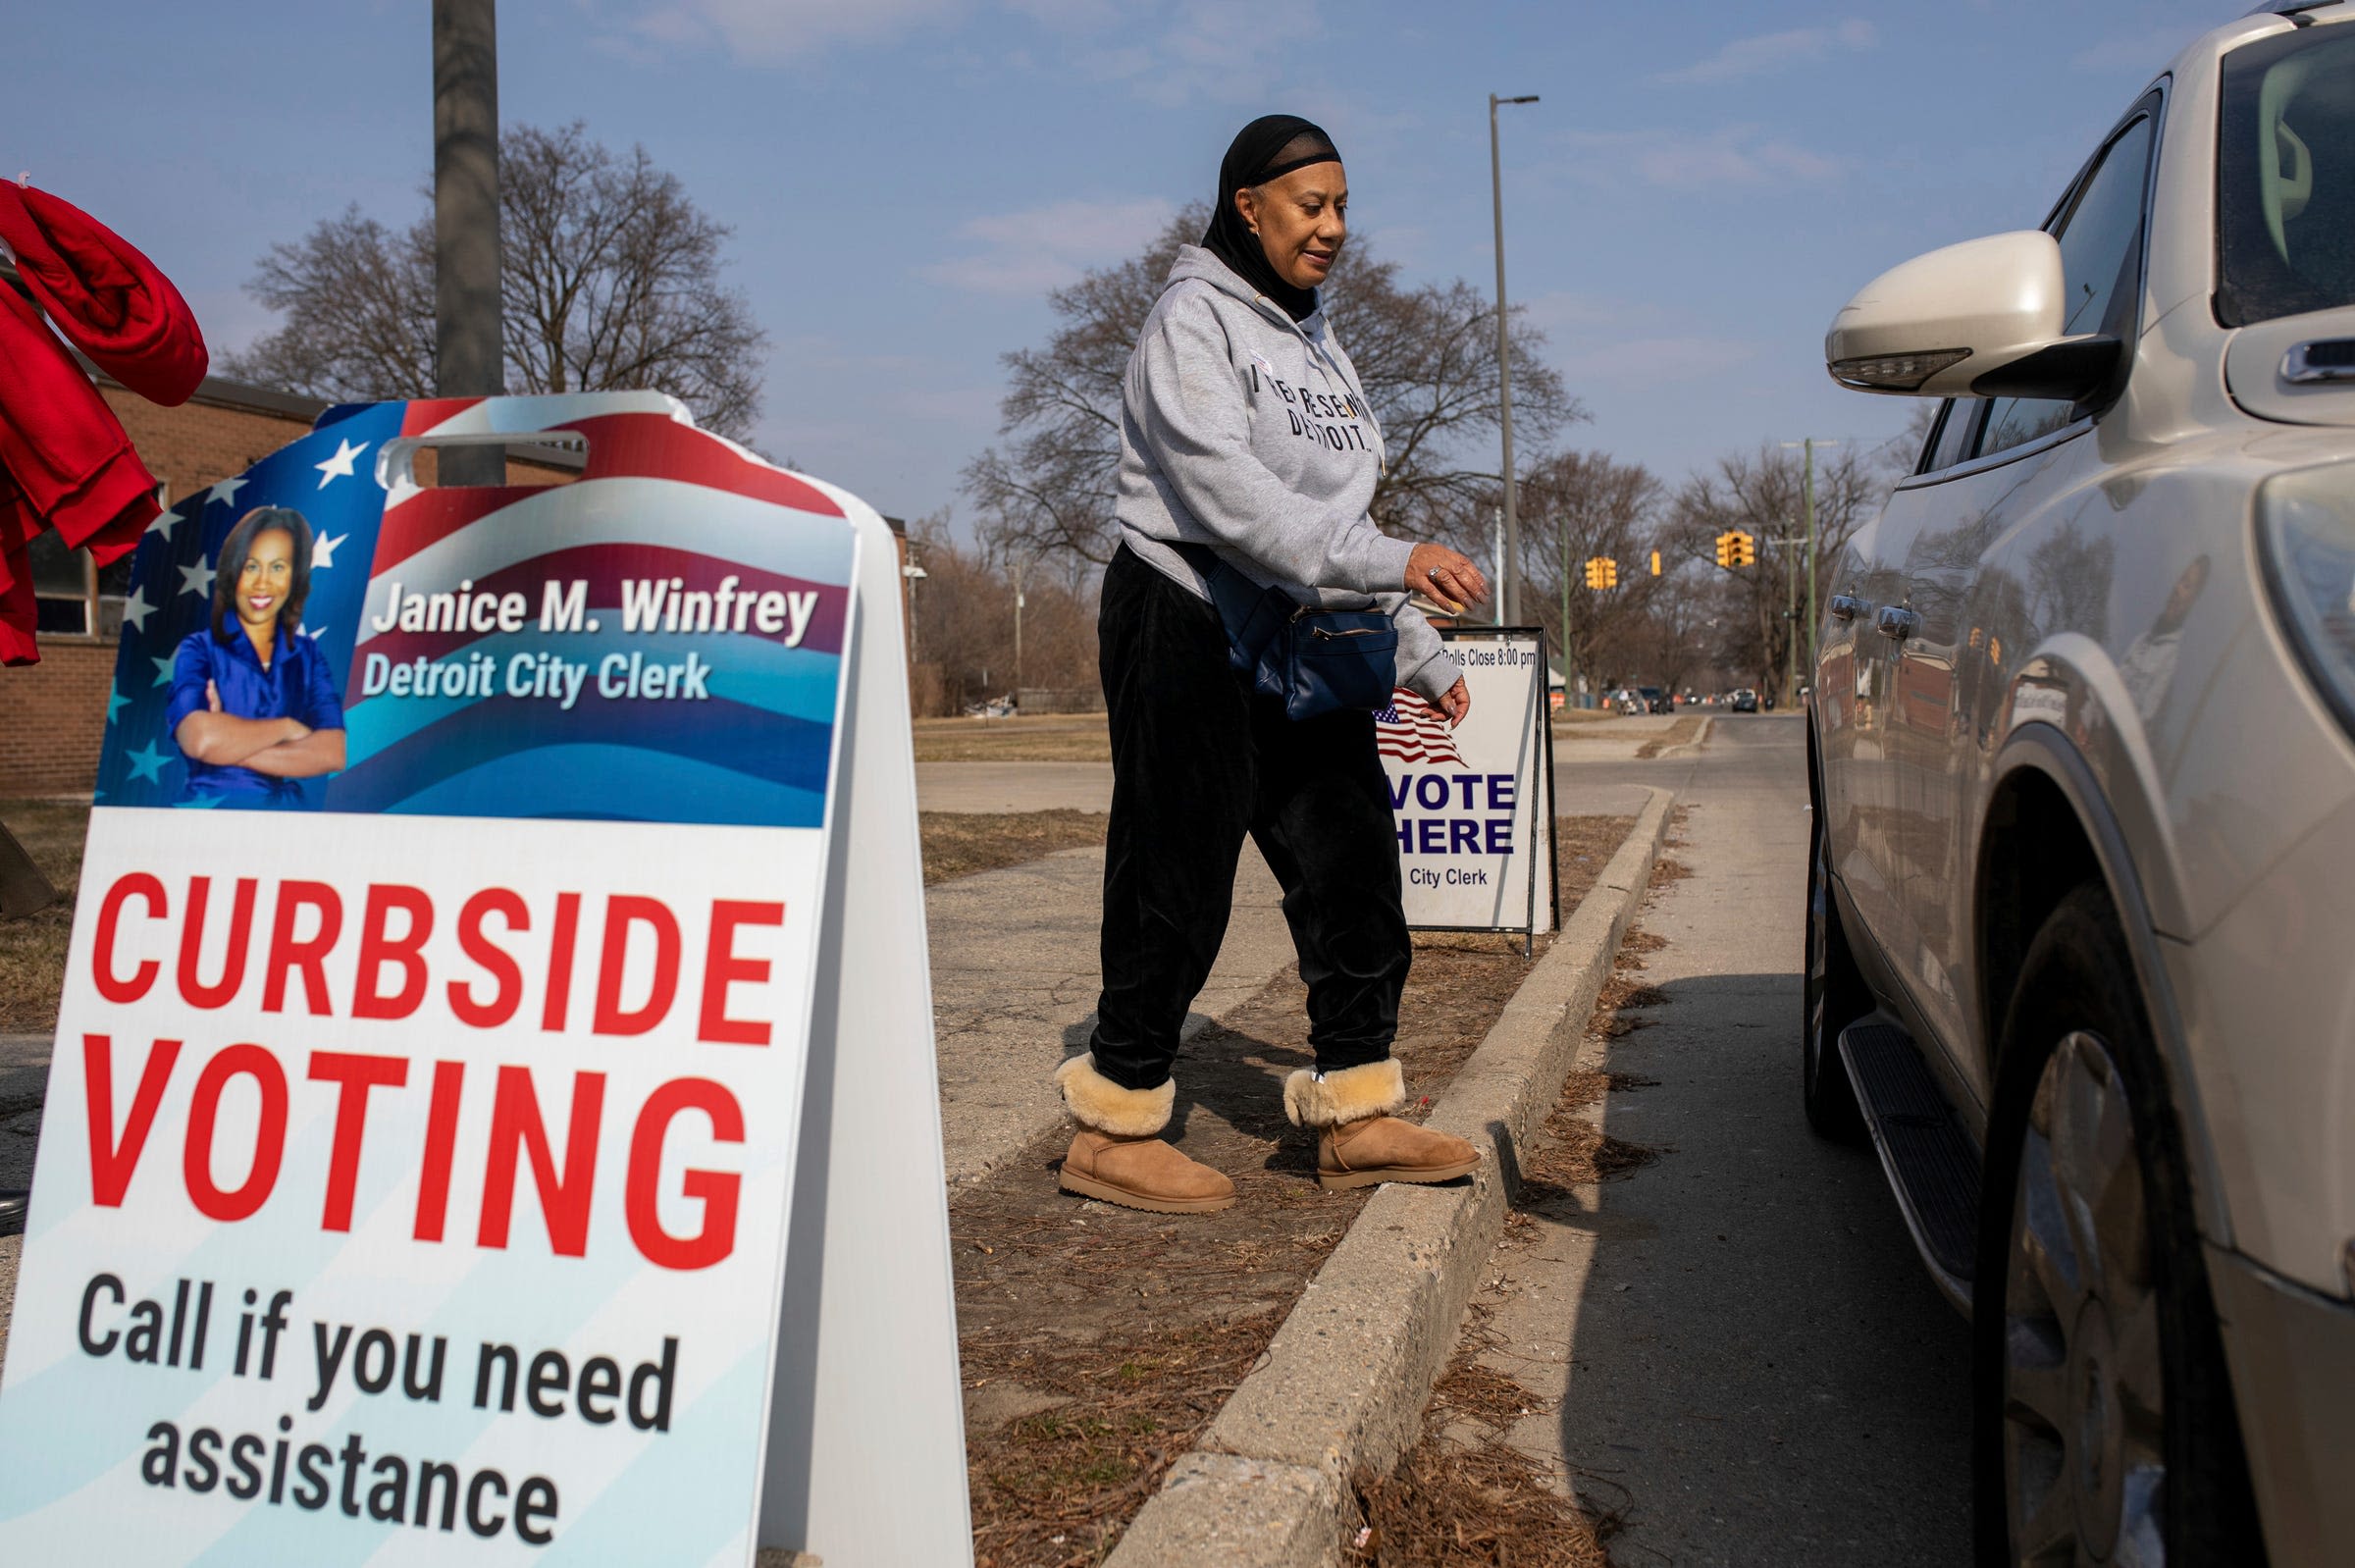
{"x":268,"y":577}
{"x":1301,"y":221}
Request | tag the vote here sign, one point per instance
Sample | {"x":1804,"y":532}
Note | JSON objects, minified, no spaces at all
{"x":1472,"y":803}
{"x":417,"y":1155}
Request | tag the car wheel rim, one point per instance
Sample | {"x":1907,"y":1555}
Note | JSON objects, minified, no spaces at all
{"x":2084,"y":1445}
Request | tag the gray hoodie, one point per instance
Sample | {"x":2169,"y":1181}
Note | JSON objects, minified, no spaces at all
{"x":1243,"y":429}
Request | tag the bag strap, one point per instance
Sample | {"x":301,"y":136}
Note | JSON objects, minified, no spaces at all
{"x":1239,"y":600}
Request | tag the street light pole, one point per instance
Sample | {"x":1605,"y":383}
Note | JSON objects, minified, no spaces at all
{"x":1508,"y":596}
{"x":1569,"y":673}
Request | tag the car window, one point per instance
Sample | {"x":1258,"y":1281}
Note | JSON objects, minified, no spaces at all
{"x":2285,"y":203}
{"x":2101,"y":265}
{"x":1950,"y":443}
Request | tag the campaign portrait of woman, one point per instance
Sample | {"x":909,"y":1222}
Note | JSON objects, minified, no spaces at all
{"x":254,"y":707}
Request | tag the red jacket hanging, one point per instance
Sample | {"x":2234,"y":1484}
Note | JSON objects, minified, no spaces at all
{"x":64,"y":462}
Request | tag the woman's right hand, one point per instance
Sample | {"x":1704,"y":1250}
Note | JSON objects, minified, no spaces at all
{"x":1446,"y":576}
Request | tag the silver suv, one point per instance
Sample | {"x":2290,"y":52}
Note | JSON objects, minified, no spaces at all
{"x":2081,"y":905}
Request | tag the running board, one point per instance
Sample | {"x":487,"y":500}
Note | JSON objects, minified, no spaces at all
{"x":1930,"y":1161}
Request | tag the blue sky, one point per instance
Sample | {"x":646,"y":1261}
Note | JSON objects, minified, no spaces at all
{"x":1702,"y":186}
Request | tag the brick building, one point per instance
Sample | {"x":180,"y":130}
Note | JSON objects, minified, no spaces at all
{"x":53,"y":714}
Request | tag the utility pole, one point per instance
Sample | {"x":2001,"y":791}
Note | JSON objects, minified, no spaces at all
{"x":1808,"y":445}
{"x":1508,"y":591}
{"x":1790,"y":615}
{"x":469,"y":357}
{"x":1021,"y":567}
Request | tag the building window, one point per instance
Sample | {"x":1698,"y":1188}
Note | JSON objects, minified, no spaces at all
{"x":72,"y":597}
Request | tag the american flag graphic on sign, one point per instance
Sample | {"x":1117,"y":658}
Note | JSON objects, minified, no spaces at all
{"x":1411,"y":730}
{"x":660,"y":639}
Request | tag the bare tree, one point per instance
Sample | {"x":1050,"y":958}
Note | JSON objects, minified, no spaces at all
{"x":359,"y":300}
{"x":1576,"y":507}
{"x":611,"y":277}
{"x":1764,"y":495}
{"x":1427,"y":358}
{"x":966,"y":618}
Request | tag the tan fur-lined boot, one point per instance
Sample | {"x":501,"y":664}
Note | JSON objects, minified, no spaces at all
{"x":1119,"y":1155}
{"x":1359,"y":1143}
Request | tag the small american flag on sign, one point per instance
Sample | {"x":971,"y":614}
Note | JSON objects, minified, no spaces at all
{"x":1411,"y":730}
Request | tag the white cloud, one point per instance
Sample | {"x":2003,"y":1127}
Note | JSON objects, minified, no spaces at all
{"x":765,"y":31}
{"x":1224,"y":51}
{"x":1737,"y":155}
{"x":1774,"y":51}
{"x":1026,"y":253}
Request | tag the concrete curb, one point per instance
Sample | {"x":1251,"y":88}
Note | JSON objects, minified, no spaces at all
{"x":1344,"y":1380}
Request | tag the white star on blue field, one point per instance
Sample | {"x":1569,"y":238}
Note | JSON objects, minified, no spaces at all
{"x":174,"y":574}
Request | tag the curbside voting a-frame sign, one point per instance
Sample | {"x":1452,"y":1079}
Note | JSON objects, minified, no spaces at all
{"x":500,"y":959}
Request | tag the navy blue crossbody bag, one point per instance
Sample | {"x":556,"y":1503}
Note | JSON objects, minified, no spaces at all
{"x":1315,"y":661}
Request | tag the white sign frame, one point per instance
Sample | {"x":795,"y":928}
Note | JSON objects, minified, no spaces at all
{"x":1509,"y":710}
{"x":858,"y":1416}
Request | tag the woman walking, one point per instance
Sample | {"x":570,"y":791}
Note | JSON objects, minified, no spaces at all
{"x":1247,"y":448}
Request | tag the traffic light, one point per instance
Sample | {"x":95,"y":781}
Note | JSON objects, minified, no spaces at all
{"x":1736,"y":548}
{"x":1655,"y":564}
{"x":1602,"y":572}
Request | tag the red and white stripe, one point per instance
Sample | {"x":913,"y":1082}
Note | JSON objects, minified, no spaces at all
{"x":1411,"y":730}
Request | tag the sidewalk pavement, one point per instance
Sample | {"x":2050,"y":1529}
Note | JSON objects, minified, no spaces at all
{"x":1015,"y":978}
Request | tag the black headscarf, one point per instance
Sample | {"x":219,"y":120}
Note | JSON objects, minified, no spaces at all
{"x":1268,"y":148}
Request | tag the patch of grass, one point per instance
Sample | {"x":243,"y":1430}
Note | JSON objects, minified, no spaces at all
{"x":33,"y":947}
{"x":1046,"y":738}
{"x":962,"y":843}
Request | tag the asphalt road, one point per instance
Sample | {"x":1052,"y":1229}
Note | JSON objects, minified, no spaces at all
{"x":1750,"y":1362}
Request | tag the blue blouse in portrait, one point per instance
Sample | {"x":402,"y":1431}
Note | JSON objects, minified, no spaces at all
{"x":297,"y":685}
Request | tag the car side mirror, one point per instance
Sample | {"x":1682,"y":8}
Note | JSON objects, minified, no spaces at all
{"x":1981,"y":319}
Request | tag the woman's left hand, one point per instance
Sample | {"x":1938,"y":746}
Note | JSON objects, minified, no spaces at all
{"x":1457,"y":703}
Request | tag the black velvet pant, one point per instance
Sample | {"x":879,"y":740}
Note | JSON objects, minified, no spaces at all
{"x":1197,"y":761}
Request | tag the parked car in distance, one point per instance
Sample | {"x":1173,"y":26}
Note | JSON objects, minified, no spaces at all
{"x":1655,"y":701}
{"x":1745,"y":701}
{"x":2081,"y":755}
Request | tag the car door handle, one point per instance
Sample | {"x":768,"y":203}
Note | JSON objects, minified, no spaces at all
{"x":1899,"y":623}
{"x":1847,"y":606}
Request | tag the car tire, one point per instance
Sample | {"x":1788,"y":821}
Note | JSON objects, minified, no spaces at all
{"x":1832,"y":996}
{"x":2090,"y":1297}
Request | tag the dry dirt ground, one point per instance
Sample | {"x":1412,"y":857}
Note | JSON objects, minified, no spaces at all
{"x":1098,"y":1341}
{"x":961,"y":843}
{"x":1683,"y":730}
{"x":32,"y":948}
{"x":1464,"y":1496}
